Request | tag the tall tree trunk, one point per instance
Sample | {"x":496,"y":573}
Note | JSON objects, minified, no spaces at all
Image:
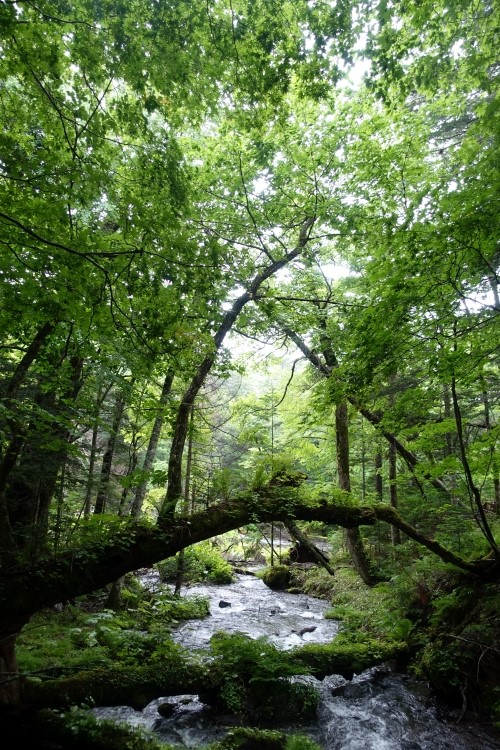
{"x":494,"y":460}
{"x":107,"y":459}
{"x":187,"y":489}
{"x":114,"y":600}
{"x":393,"y":491}
{"x":33,"y":483}
{"x":17,"y":431}
{"x":449,"y":447}
{"x":26,"y":361}
{"x":473,"y":490}
{"x":354,"y":541}
{"x":174,"y":479}
{"x":379,"y":490}
{"x":154,"y":439}
{"x":89,"y":492}
{"x":326,"y":368}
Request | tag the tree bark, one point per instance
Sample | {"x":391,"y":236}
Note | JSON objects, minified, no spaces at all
{"x":29,"y":589}
{"x":16,"y":442}
{"x":494,"y":460}
{"x":379,"y":490}
{"x":393,"y":491}
{"x":353,"y":536}
{"x":154,"y":439}
{"x":107,"y":459}
{"x":473,"y":489}
{"x":33,"y":481}
{"x":304,"y":541}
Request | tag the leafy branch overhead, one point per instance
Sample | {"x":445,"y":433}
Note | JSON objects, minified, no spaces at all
{"x":240,"y":241}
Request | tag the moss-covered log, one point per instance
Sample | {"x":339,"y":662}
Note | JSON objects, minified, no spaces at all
{"x":346,"y":659}
{"x":26,"y":589}
{"x":125,"y":686}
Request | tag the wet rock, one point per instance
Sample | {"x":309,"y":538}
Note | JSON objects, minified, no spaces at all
{"x":223,"y":604}
{"x":166,"y":709}
{"x":309,"y":629}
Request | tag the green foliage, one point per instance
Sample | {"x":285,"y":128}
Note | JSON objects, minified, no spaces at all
{"x":253,"y":683}
{"x":202,"y":562}
{"x":299,"y":742}
{"x":246,"y":738}
{"x":57,"y":643}
{"x":462,"y":655}
{"x":250,"y":659}
{"x":80,"y":730}
{"x":315,"y":582}
{"x":155,"y":159}
{"x":365,"y":612}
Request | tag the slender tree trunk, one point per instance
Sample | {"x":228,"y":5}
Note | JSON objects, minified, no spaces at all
{"x":132,"y":465}
{"x":154,"y":439}
{"x":363,"y":462}
{"x":114,"y":600}
{"x":449,"y":447}
{"x":473,"y":489}
{"x":27,"y":360}
{"x":9,"y":460}
{"x":33,"y":483}
{"x":354,"y":541}
{"x":326,"y":369}
{"x":87,"y":505}
{"x":379,"y":490}
{"x":187,"y":489}
{"x":493,"y":279}
{"x":393,"y":491}
{"x":494,"y":460}
{"x":107,"y":459}
{"x":89,"y":493}
{"x":17,"y":432}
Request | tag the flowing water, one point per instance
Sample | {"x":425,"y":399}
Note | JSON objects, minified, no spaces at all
{"x":376,"y":710}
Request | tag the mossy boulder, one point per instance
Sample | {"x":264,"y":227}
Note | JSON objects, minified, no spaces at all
{"x":277,"y":577}
{"x":275,"y":700}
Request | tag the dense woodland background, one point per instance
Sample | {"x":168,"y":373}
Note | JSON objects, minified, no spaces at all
{"x":248,"y":271}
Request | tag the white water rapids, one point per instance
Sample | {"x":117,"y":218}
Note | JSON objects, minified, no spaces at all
{"x":376,"y":710}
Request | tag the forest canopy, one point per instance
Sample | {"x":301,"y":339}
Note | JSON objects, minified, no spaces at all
{"x":179,"y":181}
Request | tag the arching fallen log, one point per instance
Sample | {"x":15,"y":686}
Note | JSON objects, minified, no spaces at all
{"x":28,"y":588}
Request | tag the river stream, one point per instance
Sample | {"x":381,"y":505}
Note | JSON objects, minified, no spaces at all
{"x":376,"y":710}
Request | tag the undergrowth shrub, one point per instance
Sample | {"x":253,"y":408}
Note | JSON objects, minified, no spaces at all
{"x":248,"y":738}
{"x":55,"y":643}
{"x":253,"y":679}
{"x":202,"y":562}
{"x":81,"y":731}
